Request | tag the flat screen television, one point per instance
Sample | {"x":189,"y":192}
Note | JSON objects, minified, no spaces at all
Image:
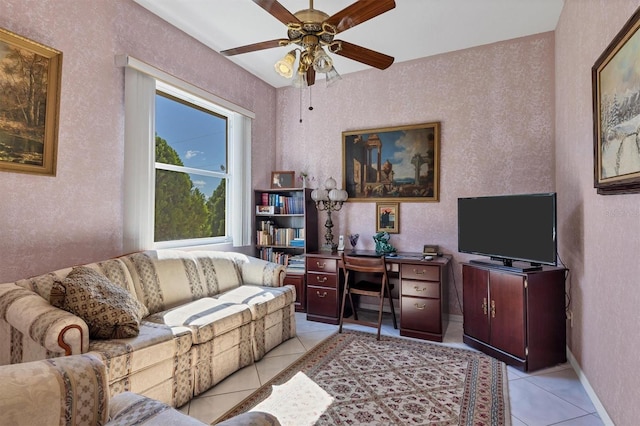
{"x":509,"y":228}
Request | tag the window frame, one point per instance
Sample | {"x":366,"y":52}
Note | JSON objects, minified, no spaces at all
{"x":142,"y":81}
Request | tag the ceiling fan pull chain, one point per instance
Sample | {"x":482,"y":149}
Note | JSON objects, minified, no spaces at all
{"x":301,"y":104}
{"x":310,"y":106}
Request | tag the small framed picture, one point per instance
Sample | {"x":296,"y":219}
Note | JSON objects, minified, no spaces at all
{"x":388,"y":217}
{"x":282,"y":179}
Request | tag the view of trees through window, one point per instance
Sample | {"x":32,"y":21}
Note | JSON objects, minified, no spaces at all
{"x":191,"y":171}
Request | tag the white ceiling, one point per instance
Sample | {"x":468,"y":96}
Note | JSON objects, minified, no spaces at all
{"x":414,"y":29}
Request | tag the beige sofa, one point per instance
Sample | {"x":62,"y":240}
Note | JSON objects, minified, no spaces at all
{"x":73,"y":391}
{"x":209,"y":314}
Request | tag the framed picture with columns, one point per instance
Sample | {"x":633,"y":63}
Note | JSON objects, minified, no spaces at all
{"x":392,"y":163}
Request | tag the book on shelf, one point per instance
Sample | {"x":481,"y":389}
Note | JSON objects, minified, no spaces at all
{"x":283,"y":204}
{"x":296,"y":263}
{"x":269,"y":234}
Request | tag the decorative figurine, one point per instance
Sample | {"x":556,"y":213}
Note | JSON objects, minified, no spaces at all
{"x":382,"y":243}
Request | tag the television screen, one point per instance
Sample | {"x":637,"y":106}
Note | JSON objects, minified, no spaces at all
{"x":509,"y":227}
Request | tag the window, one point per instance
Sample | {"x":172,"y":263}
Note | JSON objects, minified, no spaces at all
{"x":191,"y":170}
{"x":187,"y":164}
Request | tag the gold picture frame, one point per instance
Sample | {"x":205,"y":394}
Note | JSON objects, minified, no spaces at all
{"x":616,"y":111}
{"x":392,"y":163}
{"x":283,"y":179}
{"x":388,"y":217}
{"x":28,"y":118}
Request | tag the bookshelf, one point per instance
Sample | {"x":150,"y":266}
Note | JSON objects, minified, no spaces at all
{"x":286,"y":228}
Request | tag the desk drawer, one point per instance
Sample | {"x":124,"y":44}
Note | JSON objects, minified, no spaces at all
{"x":320,"y":264}
{"x":420,"y":314}
{"x":322,"y":301}
{"x":421,"y":288}
{"x":420,"y":272}
{"x":324,"y":280}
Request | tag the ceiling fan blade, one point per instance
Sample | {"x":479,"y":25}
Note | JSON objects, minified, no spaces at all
{"x":278,"y":11}
{"x":311,"y":76}
{"x":256,"y":46}
{"x":362,"y":54}
{"x":359,"y":12}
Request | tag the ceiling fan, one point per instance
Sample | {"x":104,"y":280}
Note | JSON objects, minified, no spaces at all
{"x":312,"y":31}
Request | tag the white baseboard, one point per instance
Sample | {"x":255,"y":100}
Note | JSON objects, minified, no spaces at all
{"x":590,"y":392}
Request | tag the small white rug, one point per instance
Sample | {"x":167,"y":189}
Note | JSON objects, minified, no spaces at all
{"x":298,"y":402}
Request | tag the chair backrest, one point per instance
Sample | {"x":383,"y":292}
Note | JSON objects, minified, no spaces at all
{"x":364,"y":264}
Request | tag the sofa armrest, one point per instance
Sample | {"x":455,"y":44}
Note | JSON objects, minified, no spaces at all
{"x":261,"y":272}
{"x":56,"y":331}
{"x":66,"y":390}
{"x":251,"y":418}
{"x":129,"y":408}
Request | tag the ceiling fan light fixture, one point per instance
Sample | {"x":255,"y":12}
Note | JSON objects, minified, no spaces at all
{"x":332,"y":76}
{"x":284,"y":66}
{"x":321,"y":61}
{"x":300,"y":80}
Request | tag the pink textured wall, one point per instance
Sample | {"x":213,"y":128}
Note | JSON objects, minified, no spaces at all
{"x":599,"y":235}
{"x":53,"y":222}
{"x":496,"y":107}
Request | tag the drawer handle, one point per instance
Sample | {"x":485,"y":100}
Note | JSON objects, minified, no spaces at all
{"x":323,"y":295}
{"x":418,"y":271}
{"x":420,"y":307}
{"x":321,"y":279}
{"x":493,"y":309}
{"x":321,"y":265}
{"x":418,"y":289}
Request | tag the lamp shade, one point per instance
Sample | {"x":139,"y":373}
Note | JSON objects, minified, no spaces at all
{"x":319,"y":195}
{"x":284,"y":66}
{"x":338,"y":195}
{"x":330,"y":183}
{"x":321,"y":61}
{"x":332,"y":76}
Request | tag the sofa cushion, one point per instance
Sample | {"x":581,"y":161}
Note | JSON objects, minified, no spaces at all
{"x":155,"y":343}
{"x":261,"y":300}
{"x":109,"y":311}
{"x":206,"y":317}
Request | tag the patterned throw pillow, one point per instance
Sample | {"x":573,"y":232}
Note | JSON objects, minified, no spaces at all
{"x":111,"y":312}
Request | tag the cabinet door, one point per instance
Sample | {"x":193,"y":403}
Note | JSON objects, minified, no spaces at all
{"x":507,"y":313}
{"x":475,"y":291}
{"x":297,"y":280}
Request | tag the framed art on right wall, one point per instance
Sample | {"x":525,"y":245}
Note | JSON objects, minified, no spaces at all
{"x":616,"y":113}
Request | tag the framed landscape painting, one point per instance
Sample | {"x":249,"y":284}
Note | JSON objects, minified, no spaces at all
{"x":392,"y":163}
{"x":30,"y":86}
{"x":616,"y":113}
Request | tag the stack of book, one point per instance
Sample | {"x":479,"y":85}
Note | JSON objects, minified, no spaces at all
{"x":296,"y":263}
{"x":297,"y":242}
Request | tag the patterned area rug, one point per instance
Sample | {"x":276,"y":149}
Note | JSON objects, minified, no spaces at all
{"x":352,"y":379}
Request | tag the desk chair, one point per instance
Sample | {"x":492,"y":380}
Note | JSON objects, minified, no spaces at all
{"x":376,"y":267}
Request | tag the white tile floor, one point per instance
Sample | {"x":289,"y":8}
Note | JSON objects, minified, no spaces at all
{"x":552,"y":396}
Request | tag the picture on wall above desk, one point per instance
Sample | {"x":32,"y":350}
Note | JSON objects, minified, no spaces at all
{"x":392,"y":163}
{"x":30,"y":85}
{"x":388,"y":217}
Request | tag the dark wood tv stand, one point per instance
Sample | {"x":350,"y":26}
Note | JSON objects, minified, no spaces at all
{"x":517,"y":317}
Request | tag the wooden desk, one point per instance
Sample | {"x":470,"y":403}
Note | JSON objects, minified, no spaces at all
{"x":423,"y":291}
